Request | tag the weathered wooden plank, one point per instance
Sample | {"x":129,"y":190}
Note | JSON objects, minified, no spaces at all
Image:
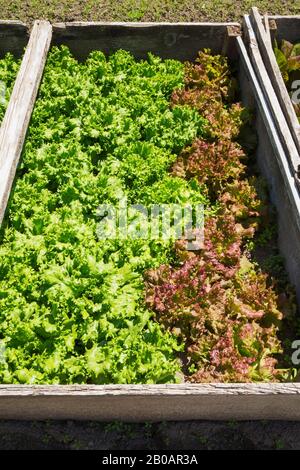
{"x":263,"y":388}
{"x":274,"y":73}
{"x":288,"y":143}
{"x":13,"y":37}
{"x":180,"y":41}
{"x":14,"y":125}
{"x":151,"y":402}
{"x":267,"y":28}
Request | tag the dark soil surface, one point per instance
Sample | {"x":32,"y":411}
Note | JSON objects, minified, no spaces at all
{"x":189,"y":435}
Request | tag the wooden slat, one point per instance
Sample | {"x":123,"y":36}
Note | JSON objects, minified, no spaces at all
{"x":274,"y":73}
{"x":288,"y":143}
{"x":151,"y":402}
{"x":180,"y":41}
{"x":15,"y":123}
{"x":267,"y":28}
{"x":13,"y":37}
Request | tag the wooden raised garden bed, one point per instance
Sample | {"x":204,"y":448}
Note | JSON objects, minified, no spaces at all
{"x":157,"y":402}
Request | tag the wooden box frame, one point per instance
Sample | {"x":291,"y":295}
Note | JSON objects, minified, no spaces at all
{"x":157,"y":402}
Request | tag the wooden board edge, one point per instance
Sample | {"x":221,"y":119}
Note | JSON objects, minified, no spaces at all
{"x":276,"y":17}
{"x":17,"y":116}
{"x":140,"y":403}
{"x":137,"y":24}
{"x":13,"y":23}
{"x":244,"y":389}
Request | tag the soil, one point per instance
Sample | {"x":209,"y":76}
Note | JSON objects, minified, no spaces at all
{"x":189,"y":435}
{"x":141,"y":10}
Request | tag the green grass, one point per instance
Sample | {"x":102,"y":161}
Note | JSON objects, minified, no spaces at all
{"x":141,"y":10}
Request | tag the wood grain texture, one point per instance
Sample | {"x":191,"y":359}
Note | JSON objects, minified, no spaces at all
{"x":16,"y":120}
{"x":180,"y":41}
{"x":151,"y":402}
{"x":152,"y":390}
{"x":274,"y":73}
{"x":13,"y":37}
{"x":267,"y":29}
